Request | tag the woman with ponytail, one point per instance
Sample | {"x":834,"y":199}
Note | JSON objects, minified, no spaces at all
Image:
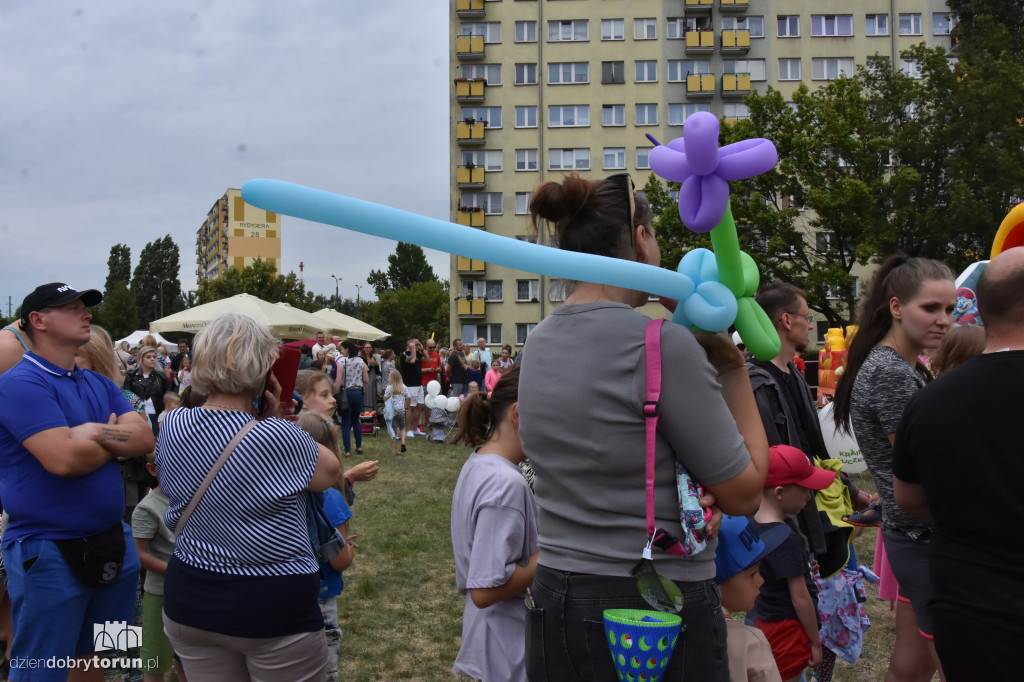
{"x":583,"y":428}
{"x":494,"y":535}
{"x":908,"y":309}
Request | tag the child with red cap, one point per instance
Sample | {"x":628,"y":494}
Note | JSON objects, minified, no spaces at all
{"x":786,"y":608}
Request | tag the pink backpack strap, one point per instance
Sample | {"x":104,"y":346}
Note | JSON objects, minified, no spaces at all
{"x":652,"y":346}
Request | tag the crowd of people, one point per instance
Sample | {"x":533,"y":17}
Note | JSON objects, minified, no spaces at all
{"x":683,"y":476}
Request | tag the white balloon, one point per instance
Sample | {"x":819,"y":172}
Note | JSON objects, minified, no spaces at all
{"x":453,"y":404}
{"x":429,"y":401}
{"x":839,"y":445}
{"x":433,"y":387}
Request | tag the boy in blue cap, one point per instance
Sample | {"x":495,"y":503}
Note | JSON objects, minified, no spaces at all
{"x":738,"y":574}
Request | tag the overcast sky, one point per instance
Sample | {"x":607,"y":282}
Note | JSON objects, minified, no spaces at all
{"x":123,"y":121}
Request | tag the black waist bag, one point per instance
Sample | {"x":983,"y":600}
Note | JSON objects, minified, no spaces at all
{"x":96,"y":560}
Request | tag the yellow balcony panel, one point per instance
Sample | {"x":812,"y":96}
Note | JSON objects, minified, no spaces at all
{"x":469,"y":176}
{"x":735,"y":84}
{"x":700,"y":41}
{"x":735,"y":41}
{"x":472,"y":308}
{"x":699,"y":6}
{"x":469,"y":48}
{"x":469,"y":266}
{"x":468,"y":9}
{"x":469,"y":134}
{"x":469,"y":89}
{"x":470,"y":217}
{"x":700,"y":85}
{"x":733,"y":6}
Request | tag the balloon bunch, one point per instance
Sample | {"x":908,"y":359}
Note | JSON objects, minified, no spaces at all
{"x":435,"y":399}
{"x":704,"y":171}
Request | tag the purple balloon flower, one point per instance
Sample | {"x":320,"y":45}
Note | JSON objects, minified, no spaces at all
{"x":704,"y":170}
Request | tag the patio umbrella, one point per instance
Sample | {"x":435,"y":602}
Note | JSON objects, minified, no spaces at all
{"x":285,"y":322}
{"x":343,"y":325}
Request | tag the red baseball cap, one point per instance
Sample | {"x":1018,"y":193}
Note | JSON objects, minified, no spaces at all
{"x":789,"y":465}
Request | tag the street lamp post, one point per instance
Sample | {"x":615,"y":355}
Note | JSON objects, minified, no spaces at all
{"x":162,"y":296}
{"x":359,"y":303}
{"x":337,"y":299}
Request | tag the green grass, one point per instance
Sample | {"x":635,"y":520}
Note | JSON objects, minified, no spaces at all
{"x":400,"y":612}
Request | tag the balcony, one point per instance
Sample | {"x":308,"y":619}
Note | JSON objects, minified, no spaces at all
{"x":733,"y":6}
{"x":469,"y":9}
{"x":736,"y":41}
{"x":470,"y":216}
{"x":468,"y":266}
{"x":700,"y":85}
{"x":700,"y":42}
{"x":469,"y":89}
{"x":735,"y":84}
{"x":469,"y":177}
{"x":699,"y":7}
{"x":470,"y":134}
{"x":469,"y":48}
{"x":474,"y":307}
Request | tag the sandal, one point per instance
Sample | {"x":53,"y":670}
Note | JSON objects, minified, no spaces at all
{"x":866,"y":518}
{"x":348,"y":454}
{"x":359,"y":451}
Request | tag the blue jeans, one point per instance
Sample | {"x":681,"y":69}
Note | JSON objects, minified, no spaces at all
{"x":565,"y":638}
{"x":350,"y":419}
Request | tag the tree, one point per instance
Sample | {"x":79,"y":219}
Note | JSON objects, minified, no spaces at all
{"x":406,"y":266}
{"x":158,"y":263}
{"x":119,"y":267}
{"x":415,"y":311}
{"x":346,"y":306}
{"x":988,"y":27}
{"x":259,"y":279}
{"x":118,"y":313}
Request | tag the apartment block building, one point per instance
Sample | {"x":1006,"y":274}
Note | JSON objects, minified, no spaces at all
{"x":236,"y":234}
{"x":541,"y":88}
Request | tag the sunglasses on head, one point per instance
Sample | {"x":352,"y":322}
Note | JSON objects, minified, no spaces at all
{"x":626,"y":182}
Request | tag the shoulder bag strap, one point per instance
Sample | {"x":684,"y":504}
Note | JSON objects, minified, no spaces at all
{"x":198,"y":495}
{"x":652,"y":345}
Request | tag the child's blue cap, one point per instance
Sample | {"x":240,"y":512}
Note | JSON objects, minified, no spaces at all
{"x":740,"y":546}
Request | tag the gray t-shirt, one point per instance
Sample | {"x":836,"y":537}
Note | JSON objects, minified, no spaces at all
{"x":494,"y":527}
{"x":884,"y":385}
{"x":148,"y":522}
{"x":582,"y":426}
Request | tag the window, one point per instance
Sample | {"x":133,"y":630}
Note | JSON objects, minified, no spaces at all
{"x":491,"y":31}
{"x":568,"y":72}
{"x":614,"y":158}
{"x":569,"y":159}
{"x":472,"y":332}
{"x":526,"y":31}
{"x":829,"y":242}
{"x":831,"y":25}
{"x":523,"y":203}
{"x":488,"y":159}
{"x":675,"y":28}
{"x":526,"y":159}
{"x":789,"y":69}
{"x":556,"y":290}
{"x":679,"y":69}
{"x":877,"y":25}
{"x":489,"y":72}
{"x":678,"y":113}
{"x":613,"y":115}
{"x":489,"y":115}
{"x":526,"y":117}
{"x":645,"y":29}
{"x":569,"y":116}
{"x":647,"y":71}
{"x":910,"y":67}
{"x":835,"y":291}
{"x":832,"y":68}
{"x":753,"y":24}
{"x":910,"y":24}
{"x":523,"y":330}
{"x":526,"y":74}
{"x":646,"y":114}
{"x":789,"y":26}
{"x":942,"y":25}
{"x":576,"y":29}
{"x":736,"y":110}
{"x":755,"y":67}
{"x":490,"y":202}
{"x":643,"y":155}
{"x":613,"y":29}
{"x":527,"y":290}
{"x":491,"y":289}
{"x":613,"y":72}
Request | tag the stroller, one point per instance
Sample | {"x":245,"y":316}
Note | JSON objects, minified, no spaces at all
{"x":369,"y":422}
{"x":442,"y":423}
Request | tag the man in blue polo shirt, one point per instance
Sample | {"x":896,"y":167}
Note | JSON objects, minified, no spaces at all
{"x":62,"y":431}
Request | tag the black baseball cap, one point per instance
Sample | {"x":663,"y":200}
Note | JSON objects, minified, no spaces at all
{"x":54,"y":294}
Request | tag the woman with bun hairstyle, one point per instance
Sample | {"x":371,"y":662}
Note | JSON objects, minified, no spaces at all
{"x":908,"y":309}
{"x":589,"y":452}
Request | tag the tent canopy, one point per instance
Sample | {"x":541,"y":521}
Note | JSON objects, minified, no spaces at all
{"x":342,"y":325}
{"x":135,"y":338}
{"x":285,"y":322}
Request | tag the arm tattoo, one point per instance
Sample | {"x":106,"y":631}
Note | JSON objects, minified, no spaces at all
{"x":108,"y":434}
